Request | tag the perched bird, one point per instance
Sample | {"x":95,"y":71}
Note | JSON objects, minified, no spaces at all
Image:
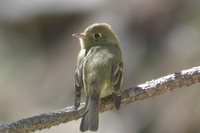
{"x":99,"y":71}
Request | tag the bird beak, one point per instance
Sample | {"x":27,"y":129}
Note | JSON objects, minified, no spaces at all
{"x":79,"y":35}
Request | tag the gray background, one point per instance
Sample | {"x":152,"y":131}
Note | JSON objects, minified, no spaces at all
{"x":38,"y":58}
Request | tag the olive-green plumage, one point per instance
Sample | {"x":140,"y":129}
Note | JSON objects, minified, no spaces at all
{"x":98,"y":72}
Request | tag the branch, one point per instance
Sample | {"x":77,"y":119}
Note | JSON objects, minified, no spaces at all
{"x":143,"y":91}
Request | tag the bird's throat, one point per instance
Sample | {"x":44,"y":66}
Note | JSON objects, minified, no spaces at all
{"x":82,"y":43}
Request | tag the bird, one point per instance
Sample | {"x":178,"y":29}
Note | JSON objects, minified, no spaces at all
{"x":98,"y":73}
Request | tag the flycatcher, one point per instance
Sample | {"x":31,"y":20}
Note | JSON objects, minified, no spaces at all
{"x":99,"y":71}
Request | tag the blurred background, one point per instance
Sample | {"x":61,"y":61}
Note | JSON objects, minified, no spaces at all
{"x":38,"y":59}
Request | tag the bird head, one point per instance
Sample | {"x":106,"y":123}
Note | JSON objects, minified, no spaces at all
{"x":98,"y":34}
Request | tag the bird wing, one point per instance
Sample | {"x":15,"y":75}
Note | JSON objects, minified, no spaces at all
{"x":78,"y":84}
{"x":117,"y":78}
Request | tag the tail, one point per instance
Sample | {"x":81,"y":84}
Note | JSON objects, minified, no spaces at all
{"x":90,"y":120}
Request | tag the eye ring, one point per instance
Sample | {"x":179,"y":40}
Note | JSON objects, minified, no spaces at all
{"x":96,"y":35}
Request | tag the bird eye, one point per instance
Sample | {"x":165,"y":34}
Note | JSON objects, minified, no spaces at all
{"x":97,"y":35}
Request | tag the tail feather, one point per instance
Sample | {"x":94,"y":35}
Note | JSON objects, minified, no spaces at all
{"x":90,"y":120}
